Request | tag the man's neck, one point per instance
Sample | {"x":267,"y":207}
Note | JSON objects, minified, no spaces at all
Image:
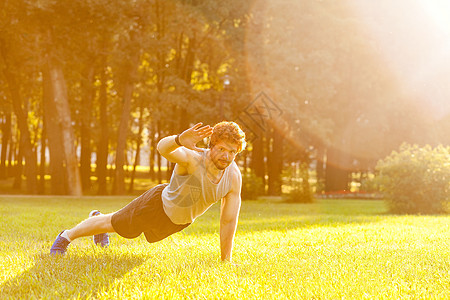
{"x":211,"y":168}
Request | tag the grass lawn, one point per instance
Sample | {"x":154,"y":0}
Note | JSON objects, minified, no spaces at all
{"x":327,"y":250}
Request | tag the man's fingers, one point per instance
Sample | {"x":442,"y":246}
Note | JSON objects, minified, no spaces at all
{"x":203,"y":130}
{"x":196,"y":126}
{"x":195,"y":134}
{"x":207,"y":133}
{"x":206,"y":127}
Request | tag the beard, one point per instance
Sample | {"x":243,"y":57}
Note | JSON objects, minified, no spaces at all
{"x":221,"y":164}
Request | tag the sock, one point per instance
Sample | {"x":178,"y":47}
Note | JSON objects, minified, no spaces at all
{"x":64,"y":235}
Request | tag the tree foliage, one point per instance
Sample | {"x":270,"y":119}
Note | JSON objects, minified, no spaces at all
{"x":134,"y":71}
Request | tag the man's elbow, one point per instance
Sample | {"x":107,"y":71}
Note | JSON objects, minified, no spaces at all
{"x":159,"y":147}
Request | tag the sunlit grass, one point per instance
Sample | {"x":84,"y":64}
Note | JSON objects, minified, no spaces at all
{"x":326,"y":250}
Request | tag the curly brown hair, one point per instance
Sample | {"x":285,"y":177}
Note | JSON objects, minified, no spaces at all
{"x":228,"y":132}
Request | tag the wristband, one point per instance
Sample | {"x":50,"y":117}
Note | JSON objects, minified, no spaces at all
{"x":177,"y":140}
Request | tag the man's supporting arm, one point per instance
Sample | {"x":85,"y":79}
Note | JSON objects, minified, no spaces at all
{"x":229,"y":214}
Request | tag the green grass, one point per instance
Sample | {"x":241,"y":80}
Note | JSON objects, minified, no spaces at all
{"x":327,"y":250}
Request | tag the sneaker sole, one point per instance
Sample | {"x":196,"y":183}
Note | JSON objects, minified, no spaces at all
{"x":94,"y":213}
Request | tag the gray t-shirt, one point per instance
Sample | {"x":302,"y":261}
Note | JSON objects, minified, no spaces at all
{"x":189,"y":196}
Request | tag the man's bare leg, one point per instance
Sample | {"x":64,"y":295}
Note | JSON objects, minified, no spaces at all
{"x":92,"y":226}
{"x":97,"y":226}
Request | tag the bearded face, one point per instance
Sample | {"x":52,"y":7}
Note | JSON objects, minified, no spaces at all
{"x":223,"y":154}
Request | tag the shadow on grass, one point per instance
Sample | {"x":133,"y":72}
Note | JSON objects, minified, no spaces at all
{"x":69,"y":276}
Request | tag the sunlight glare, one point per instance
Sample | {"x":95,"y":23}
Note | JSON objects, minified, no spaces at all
{"x":414,"y":38}
{"x":439,"y":12}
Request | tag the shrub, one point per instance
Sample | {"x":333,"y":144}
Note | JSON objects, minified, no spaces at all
{"x":298,"y":194}
{"x":369,"y":184}
{"x":416,"y":180}
{"x":252,"y":186}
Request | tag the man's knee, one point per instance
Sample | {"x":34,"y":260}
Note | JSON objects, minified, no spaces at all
{"x":104,"y":222}
{"x":108,"y":223}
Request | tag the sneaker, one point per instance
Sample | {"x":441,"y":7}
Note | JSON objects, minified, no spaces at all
{"x":101,"y":239}
{"x":60,"y":245}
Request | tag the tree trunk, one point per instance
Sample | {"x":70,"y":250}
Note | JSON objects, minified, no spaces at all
{"x":119,"y":176}
{"x":257,"y":161}
{"x":152,"y":152}
{"x":55,"y":139}
{"x":85,"y":132}
{"x":275,"y":163}
{"x":304,"y":171}
{"x":187,"y":70}
{"x":18,"y":168}
{"x":22,"y":120}
{"x":135,"y":164}
{"x":138,"y":145}
{"x":25,"y":140}
{"x":245,"y":164}
{"x":41,"y":186}
{"x":320,"y":169}
{"x":337,"y":176}
{"x":102,"y":146}
{"x":158,"y":157}
{"x":10,"y":169}
{"x":6,"y":137}
{"x":61,"y":102}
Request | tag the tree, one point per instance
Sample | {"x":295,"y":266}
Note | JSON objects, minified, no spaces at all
{"x":6,"y":137}
{"x":55,"y":139}
{"x":11,"y":72}
{"x":60,"y":100}
{"x":131,"y":39}
{"x":310,"y":66}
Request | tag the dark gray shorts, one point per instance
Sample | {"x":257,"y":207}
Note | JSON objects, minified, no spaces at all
{"x":145,"y":214}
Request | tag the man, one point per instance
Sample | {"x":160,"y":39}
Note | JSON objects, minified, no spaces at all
{"x":201,"y":177}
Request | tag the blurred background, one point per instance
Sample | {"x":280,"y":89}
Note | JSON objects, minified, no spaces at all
{"x":323,"y":89}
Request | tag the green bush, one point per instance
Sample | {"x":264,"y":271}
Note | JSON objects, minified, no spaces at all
{"x":252,"y":186}
{"x":369,"y":184}
{"x":299,"y":194}
{"x":416,"y":180}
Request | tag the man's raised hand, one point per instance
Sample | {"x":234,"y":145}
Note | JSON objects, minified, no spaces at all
{"x":190,"y":137}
